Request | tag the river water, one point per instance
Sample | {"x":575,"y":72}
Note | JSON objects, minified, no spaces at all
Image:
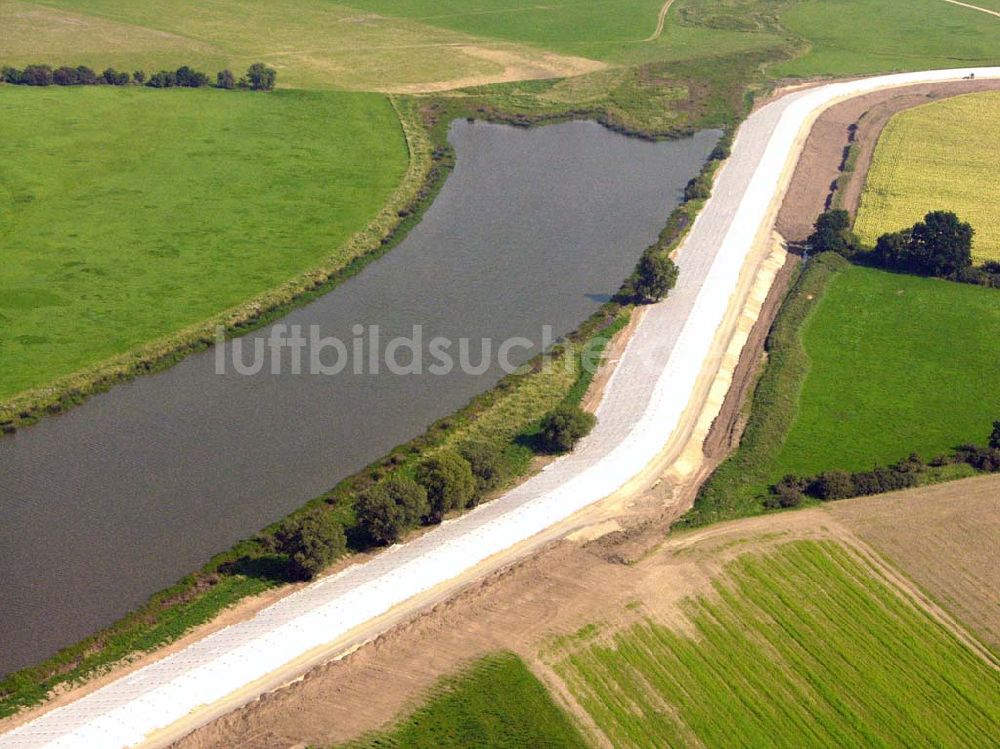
{"x":116,"y":499}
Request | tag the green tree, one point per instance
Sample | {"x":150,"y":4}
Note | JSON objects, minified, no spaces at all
{"x":260,"y":77}
{"x":486,"y":461}
{"x":832,"y":232}
{"x":893,"y":250}
{"x":225,"y":79}
{"x":387,"y":509}
{"x":654,"y":277}
{"x":312,"y":542}
{"x":564,"y":426}
{"x":449,"y":482}
{"x":941,"y":245}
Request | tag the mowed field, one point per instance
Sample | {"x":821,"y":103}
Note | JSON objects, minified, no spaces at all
{"x":897,"y":364}
{"x":802,"y":645}
{"x":944,"y":155}
{"x":424,"y":44}
{"x":129,"y":214}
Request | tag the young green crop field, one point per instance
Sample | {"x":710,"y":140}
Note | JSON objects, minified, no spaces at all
{"x":802,"y":646}
{"x":897,"y":364}
{"x":497,"y":703}
{"x":128,"y":214}
{"x":944,"y":155}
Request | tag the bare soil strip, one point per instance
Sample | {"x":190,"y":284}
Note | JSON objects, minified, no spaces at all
{"x":946,"y":543}
{"x":820,"y":164}
{"x":515,"y":66}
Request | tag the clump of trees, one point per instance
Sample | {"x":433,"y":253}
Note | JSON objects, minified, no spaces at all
{"x":564,"y":426}
{"x":313,"y":541}
{"x":829,"y":486}
{"x":391,"y":507}
{"x":449,"y":482}
{"x":259,"y":77}
{"x":940,"y":245}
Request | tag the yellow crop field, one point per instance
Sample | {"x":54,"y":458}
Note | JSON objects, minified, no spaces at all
{"x":944,"y":155}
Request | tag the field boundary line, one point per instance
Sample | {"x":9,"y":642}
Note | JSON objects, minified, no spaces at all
{"x":971,"y":7}
{"x":907,"y":588}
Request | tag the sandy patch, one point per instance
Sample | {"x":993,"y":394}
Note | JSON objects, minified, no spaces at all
{"x":514,"y":66}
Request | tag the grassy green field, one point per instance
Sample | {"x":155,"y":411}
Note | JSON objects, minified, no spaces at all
{"x":944,"y":155}
{"x":129,"y":214}
{"x":869,"y":36}
{"x":497,"y":703}
{"x":385,"y":44}
{"x":864,"y":367}
{"x":802,"y":646}
{"x":896,"y":364}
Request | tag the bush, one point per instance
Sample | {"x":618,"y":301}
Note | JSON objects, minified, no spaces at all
{"x":787,"y":492}
{"x":225,"y":79}
{"x":995,"y":436}
{"x":139,"y":76}
{"x":486,"y":461}
{"x":11,"y":75}
{"x":388,"y":509}
{"x":312,"y":542}
{"x":832,"y":485}
{"x":449,"y":482}
{"x":985,"y":459}
{"x":259,"y":77}
{"x":698,"y":188}
{"x":65,"y":76}
{"x":37,"y":75}
{"x":115,"y":78}
{"x":162,"y":79}
{"x":563,"y":427}
{"x":189,"y":78}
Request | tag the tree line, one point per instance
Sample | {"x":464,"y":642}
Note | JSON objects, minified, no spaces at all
{"x":791,"y":490}
{"x":939,"y":246}
{"x":449,"y":480}
{"x":258,"y":77}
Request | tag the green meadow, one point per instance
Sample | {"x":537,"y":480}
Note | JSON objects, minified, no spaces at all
{"x":388,"y":44}
{"x":802,"y":646}
{"x":897,"y":364}
{"x":496,"y":703}
{"x":128,"y":214}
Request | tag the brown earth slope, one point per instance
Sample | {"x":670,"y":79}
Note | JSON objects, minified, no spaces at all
{"x":572,"y":584}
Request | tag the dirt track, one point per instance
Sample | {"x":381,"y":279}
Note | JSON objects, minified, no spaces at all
{"x":823,"y":155}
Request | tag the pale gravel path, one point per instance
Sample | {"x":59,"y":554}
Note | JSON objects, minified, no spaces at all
{"x":643,"y":405}
{"x":660,"y":21}
{"x":975,"y":7}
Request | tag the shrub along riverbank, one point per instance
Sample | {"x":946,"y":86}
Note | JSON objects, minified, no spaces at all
{"x":495,"y":438}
